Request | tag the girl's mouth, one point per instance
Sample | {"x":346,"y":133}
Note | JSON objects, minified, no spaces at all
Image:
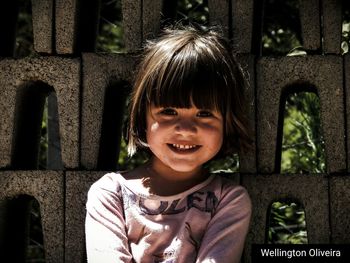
{"x":183,"y":148}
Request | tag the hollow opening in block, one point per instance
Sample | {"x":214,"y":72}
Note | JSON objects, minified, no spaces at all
{"x":112,"y":121}
{"x":24,"y":35}
{"x":286,"y":223}
{"x":21,"y":235}
{"x":35,"y":249}
{"x":50,"y":157}
{"x":110,"y":36}
{"x":345,"y":45}
{"x":185,"y":12}
{"x":36,"y":140}
{"x":300,"y":147}
{"x":16,"y":29}
{"x":281,"y":32}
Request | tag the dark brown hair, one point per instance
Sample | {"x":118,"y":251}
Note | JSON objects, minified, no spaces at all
{"x":185,"y":66}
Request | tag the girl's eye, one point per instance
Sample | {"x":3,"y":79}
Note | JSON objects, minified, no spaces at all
{"x":204,"y":114}
{"x":168,"y":112}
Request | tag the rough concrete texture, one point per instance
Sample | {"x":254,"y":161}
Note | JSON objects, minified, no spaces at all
{"x":340,"y":209}
{"x":219,"y":15}
{"x":247,"y":160}
{"x":347,"y":101}
{"x":132,"y":24}
{"x":77,"y":186}
{"x":98,"y":72}
{"x":274,"y":77}
{"x":63,"y":75}
{"x":242,"y":20}
{"x":47,"y":188}
{"x":42,"y":15}
{"x":309,"y":11}
{"x":152,"y":10}
{"x":332,"y":26}
{"x":66,"y":26}
{"x":311,"y":191}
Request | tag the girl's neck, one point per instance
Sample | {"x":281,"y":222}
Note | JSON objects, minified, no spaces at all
{"x":164,"y":181}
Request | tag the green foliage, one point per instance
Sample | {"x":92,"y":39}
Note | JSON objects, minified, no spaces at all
{"x":346,"y":30}
{"x":189,"y":11}
{"x":128,"y":163}
{"x":229,"y":164}
{"x":44,"y":139}
{"x":281,"y":27}
{"x":302,"y":145}
{"x":110,"y":37}
{"x":287,"y":224}
{"x":24,"y":35}
{"x":35,"y":249}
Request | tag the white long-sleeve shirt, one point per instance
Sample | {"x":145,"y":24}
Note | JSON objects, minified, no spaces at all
{"x":207,"y":223}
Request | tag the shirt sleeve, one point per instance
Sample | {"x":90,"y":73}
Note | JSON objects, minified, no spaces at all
{"x":226,"y":232}
{"x":105,"y":232}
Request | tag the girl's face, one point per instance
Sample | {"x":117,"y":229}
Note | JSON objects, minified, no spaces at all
{"x":184,"y":139}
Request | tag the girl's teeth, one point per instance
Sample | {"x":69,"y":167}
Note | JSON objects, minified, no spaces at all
{"x":183,"y":147}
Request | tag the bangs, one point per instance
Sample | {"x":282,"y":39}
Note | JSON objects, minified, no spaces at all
{"x":191,"y":77}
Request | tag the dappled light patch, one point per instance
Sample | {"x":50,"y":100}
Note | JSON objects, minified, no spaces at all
{"x":286,"y":223}
{"x":302,"y":149}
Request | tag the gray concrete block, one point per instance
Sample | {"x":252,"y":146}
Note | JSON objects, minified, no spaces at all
{"x":276,"y":76}
{"x":310,"y":14}
{"x":347,"y":101}
{"x":47,"y":188}
{"x":242,"y":22}
{"x":77,"y":186}
{"x":311,"y":191}
{"x":247,"y":160}
{"x":63,"y":75}
{"x":219,"y":12}
{"x":66,"y":26}
{"x":43,"y":19}
{"x":132,"y":24}
{"x":151,"y":11}
{"x":99,"y":73}
{"x":340,"y":209}
{"x":332,"y":26}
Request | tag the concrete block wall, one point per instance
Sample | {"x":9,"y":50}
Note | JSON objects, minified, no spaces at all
{"x":67,"y":65}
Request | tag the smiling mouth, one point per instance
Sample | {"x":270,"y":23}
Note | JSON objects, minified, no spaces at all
{"x":183,"y":148}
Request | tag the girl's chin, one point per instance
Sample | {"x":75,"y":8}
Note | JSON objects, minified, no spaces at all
{"x":185,"y":168}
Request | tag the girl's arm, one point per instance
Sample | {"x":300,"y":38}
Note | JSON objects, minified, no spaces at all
{"x":225,"y":235}
{"x":106,"y":238}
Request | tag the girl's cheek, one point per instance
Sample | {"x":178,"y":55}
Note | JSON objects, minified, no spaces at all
{"x":154,"y":127}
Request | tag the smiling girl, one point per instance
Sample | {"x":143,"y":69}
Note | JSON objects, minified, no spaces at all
{"x":186,"y":109}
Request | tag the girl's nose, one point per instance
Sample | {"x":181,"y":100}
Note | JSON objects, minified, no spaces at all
{"x":185,"y":126}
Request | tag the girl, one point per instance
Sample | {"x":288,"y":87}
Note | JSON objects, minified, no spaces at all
{"x":186,"y":109}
